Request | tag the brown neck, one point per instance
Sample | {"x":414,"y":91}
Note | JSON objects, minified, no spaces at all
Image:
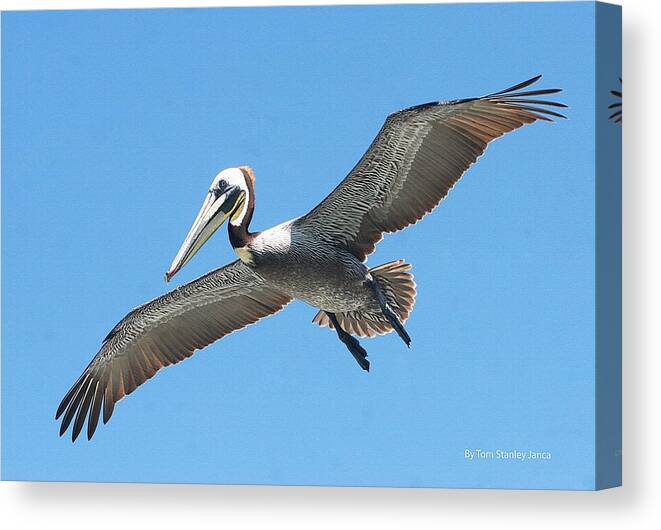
{"x":239,"y":234}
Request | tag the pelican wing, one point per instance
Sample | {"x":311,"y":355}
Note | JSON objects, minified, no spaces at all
{"x":415,"y":160}
{"x":163,"y":332}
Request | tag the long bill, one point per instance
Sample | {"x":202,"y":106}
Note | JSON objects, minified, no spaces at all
{"x":214,"y":212}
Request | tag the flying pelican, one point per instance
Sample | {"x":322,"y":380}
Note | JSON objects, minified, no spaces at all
{"x":416,"y":158}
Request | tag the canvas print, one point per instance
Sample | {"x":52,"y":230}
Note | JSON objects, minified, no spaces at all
{"x":417,"y":223}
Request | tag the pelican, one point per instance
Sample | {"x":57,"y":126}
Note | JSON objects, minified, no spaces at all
{"x":416,"y":158}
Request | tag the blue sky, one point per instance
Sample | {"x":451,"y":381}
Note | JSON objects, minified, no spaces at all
{"x":115,"y":122}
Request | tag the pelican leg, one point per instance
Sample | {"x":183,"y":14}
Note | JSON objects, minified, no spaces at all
{"x":351,"y":343}
{"x":389,"y":313}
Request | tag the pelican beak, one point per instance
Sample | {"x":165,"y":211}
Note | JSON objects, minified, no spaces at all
{"x":214,"y":212}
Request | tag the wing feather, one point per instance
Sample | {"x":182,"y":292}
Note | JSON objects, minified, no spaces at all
{"x":617,"y":115}
{"x":163,"y":332}
{"x":418,"y":156}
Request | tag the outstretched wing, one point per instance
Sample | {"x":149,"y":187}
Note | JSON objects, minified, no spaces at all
{"x":163,"y":332}
{"x":417,"y":157}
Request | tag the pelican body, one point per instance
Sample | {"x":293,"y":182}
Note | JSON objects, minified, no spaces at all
{"x":320,"y":258}
{"x":313,"y":271}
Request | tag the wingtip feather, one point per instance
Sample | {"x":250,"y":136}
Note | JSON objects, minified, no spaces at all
{"x":519,"y":86}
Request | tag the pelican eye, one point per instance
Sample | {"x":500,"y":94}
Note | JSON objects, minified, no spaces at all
{"x":220,"y":188}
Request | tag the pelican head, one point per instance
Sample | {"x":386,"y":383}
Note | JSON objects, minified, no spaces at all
{"x":225,"y":199}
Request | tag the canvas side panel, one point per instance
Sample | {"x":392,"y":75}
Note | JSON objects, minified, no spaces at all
{"x":608,"y":248}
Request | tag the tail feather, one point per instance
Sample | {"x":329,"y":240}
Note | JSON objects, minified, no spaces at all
{"x":399,"y":288}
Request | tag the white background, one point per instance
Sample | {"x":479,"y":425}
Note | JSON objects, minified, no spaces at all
{"x":636,"y":505}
